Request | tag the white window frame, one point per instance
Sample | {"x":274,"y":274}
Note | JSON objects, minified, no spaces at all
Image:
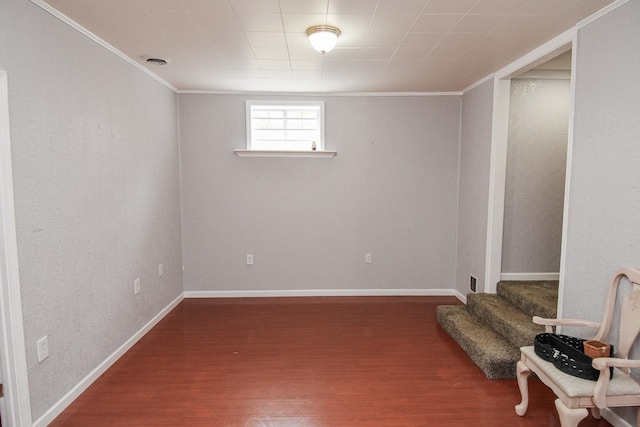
{"x":279,"y":151}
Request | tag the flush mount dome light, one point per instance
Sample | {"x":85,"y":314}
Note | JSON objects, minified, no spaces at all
{"x":323,"y":37}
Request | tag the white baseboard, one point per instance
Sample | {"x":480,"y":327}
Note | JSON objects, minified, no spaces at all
{"x":323,"y":293}
{"x":614,"y":419}
{"x":461,"y":297}
{"x":529,"y":276}
{"x":77,"y":390}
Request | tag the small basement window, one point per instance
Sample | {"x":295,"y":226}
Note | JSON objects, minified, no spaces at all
{"x":285,"y":126}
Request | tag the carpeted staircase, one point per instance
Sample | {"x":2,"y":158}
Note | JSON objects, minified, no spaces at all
{"x":492,"y":327}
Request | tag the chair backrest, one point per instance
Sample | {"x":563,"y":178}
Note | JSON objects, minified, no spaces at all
{"x":629,"y":314}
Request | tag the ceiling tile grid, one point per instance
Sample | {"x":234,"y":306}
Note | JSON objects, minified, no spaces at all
{"x":385,"y":45}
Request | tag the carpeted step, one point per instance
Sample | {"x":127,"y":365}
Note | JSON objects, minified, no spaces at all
{"x":535,"y":298}
{"x":504,"y":318}
{"x":493,"y":354}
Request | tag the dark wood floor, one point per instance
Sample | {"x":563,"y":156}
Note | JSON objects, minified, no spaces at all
{"x":372,"y":361}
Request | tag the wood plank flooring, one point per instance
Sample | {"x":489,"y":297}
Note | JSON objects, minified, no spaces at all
{"x":285,"y":362}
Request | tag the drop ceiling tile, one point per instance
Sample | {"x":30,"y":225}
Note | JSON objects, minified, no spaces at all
{"x":271,"y":53}
{"x":350,"y":23}
{"x":446,"y":53}
{"x":210,"y":5}
{"x":265,"y":39}
{"x":342,"y":54}
{"x":156,"y":5}
{"x":525,"y":24}
{"x":405,"y":54}
{"x":255,"y":6}
{"x":504,"y":7}
{"x":422,"y":39}
{"x":250,"y":64}
{"x":382,"y":39}
{"x":304,"y":6}
{"x":402,"y":71}
{"x":306,"y":53}
{"x":235,"y":53}
{"x":369,"y":68}
{"x":350,"y":40}
{"x":216,"y":23}
{"x":392,"y":22}
{"x":308,"y":86}
{"x":260,"y":21}
{"x":204,"y":57}
{"x":460,"y":40}
{"x":299,"y":22}
{"x":581,"y":9}
{"x":448,"y":6}
{"x":306,"y":65}
{"x":338,"y":66}
{"x":400,"y":6}
{"x":544,"y":7}
{"x":228,"y":40}
{"x":182,"y":28}
{"x":435,"y":23}
{"x":274,"y":64}
{"x":307,"y":74}
{"x":478,"y":23}
{"x":353,"y":6}
{"x":376,"y":53}
{"x":277,"y":74}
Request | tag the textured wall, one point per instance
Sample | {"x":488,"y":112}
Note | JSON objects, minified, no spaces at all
{"x":95,"y":161}
{"x":604,"y":200}
{"x":475,"y":156}
{"x":391,"y":191}
{"x":536,"y":165}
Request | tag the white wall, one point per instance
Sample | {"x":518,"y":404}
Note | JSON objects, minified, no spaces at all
{"x":475,"y":155}
{"x":604,"y":210}
{"x":391,"y":191}
{"x":95,"y":162}
{"x":535,"y":177}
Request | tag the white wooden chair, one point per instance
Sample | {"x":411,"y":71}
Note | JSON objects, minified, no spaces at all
{"x":575,"y":395}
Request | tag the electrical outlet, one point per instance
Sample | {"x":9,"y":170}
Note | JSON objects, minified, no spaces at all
{"x":161,"y":270}
{"x":43,"y":348}
{"x":249,"y":259}
{"x":472,"y":283}
{"x":136,"y":286}
{"x":367,"y":258}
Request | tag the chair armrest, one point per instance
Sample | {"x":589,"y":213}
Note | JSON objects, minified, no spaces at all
{"x":603,"y":364}
{"x":549,"y":323}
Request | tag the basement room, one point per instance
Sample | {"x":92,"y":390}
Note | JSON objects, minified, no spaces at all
{"x":277,"y":213}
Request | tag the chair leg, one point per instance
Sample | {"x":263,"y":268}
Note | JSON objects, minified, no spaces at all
{"x":595,"y":413}
{"x":522,"y":374}
{"x":570,"y":417}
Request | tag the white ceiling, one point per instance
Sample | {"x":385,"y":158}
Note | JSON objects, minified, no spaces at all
{"x":385,"y":46}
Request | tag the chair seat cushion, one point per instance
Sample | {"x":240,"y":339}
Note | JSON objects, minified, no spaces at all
{"x":620,"y":384}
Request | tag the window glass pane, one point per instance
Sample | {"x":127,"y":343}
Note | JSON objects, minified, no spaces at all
{"x":285,"y":127}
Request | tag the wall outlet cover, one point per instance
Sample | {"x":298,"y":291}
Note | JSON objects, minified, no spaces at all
{"x":43,"y":348}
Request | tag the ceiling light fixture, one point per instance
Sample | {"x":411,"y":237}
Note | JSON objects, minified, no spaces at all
{"x":323,"y":37}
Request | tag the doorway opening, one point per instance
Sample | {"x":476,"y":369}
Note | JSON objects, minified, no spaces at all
{"x":539,"y":110}
{"x":499,"y":144}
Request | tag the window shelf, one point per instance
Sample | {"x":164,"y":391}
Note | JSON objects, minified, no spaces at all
{"x":283,"y":153}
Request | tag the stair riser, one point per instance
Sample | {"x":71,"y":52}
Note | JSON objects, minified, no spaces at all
{"x":461,"y":328}
{"x":536,"y":298}
{"x":515,"y":327}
